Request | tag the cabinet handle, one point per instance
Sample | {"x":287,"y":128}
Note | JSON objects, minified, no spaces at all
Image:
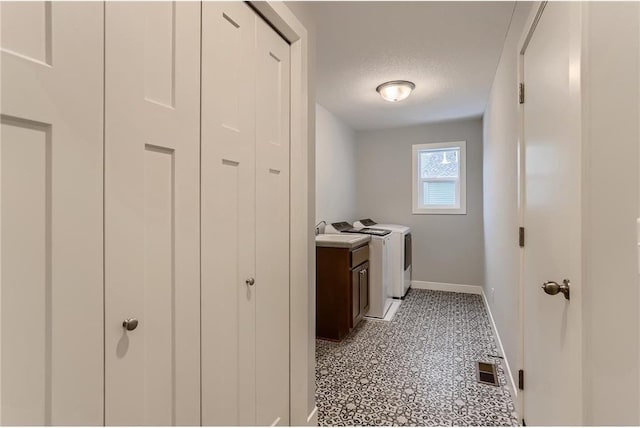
{"x":250,"y":282}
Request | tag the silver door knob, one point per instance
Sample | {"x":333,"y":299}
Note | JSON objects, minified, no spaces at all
{"x":250,"y":282}
{"x":130,"y":324}
{"x":552,"y":288}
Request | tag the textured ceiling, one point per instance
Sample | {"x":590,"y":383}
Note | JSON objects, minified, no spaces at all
{"x":450,"y":50}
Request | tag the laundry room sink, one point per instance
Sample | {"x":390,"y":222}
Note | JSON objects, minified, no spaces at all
{"x":342,"y":240}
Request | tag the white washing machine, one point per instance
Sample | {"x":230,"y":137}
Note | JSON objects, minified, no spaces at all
{"x":401,"y":252}
{"x":380,"y":297}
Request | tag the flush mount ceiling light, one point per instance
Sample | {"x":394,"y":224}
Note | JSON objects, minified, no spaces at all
{"x":396,"y":90}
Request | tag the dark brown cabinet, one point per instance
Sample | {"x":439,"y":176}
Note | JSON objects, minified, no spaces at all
{"x":342,"y":290}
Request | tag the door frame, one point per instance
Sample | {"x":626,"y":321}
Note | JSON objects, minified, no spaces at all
{"x":302,"y":408}
{"x":530,"y":26}
{"x":532,"y":21}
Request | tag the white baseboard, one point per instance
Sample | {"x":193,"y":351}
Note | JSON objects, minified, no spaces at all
{"x":443,"y":286}
{"x":312,"y":419}
{"x":513,"y":389}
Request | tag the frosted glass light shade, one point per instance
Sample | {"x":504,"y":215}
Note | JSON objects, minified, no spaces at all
{"x":396,"y":90}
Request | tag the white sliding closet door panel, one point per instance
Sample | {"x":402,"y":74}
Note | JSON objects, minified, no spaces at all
{"x":51,"y":307}
{"x":228,"y":214}
{"x":272,"y":227}
{"x":152,"y":213}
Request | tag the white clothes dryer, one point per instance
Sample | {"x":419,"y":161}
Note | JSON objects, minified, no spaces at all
{"x":400,"y":254}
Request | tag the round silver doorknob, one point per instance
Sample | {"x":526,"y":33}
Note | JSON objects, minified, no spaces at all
{"x":250,"y":282}
{"x":130,"y":324}
{"x":552,"y":288}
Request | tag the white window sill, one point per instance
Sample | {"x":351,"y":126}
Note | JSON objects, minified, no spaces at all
{"x":454,"y":211}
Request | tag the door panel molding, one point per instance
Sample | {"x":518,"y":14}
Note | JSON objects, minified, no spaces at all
{"x":152,"y":236}
{"x":51,"y":244}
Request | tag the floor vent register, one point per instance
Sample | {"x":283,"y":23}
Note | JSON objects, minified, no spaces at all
{"x":487,"y":373}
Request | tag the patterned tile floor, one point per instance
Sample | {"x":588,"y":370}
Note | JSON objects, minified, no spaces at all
{"x":418,"y":369}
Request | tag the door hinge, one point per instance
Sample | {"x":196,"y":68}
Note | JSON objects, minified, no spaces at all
{"x":521,"y":93}
{"x":521,"y":379}
{"x":521,"y":237}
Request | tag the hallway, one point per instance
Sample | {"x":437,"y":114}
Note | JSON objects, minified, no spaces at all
{"x":210,"y":210}
{"x":418,"y":369}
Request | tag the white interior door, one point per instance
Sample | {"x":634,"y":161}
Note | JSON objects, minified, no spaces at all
{"x":552,"y":217}
{"x":272,"y":226}
{"x":152,"y":213}
{"x":51,"y":342}
{"x":228,"y":214}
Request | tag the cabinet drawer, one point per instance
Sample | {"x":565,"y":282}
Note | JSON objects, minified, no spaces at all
{"x":359,"y":256}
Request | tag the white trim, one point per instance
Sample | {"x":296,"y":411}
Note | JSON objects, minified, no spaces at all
{"x":461,"y":181}
{"x":528,"y":27}
{"x":443,"y":286}
{"x":302,"y":191}
{"x":513,"y":389}
{"x":312,"y":419}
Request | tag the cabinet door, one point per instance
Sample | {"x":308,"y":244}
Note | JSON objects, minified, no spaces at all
{"x":152,"y":213}
{"x":228,"y":214}
{"x":356,"y":312}
{"x":51,"y":168}
{"x":363,"y":276}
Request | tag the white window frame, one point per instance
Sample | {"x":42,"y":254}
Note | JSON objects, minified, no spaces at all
{"x":461,"y":186}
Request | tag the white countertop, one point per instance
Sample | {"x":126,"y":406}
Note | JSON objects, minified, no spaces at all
{"x":341,"y":240}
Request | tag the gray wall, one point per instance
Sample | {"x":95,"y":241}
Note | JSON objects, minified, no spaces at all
{"x":446,"y":248}
{"x":335,"y":168}
{"x":501,"y":220}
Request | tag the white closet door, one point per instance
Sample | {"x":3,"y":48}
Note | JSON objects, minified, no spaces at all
{"x":152,"y":213}
{"x":272,"y":227}
{"x":228,"y":214}
{"x":51,"y":342}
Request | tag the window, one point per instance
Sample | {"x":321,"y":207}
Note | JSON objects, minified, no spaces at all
{"x":439,"y":178}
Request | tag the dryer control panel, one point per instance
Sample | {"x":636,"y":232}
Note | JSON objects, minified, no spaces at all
{"x":368,"y":222}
